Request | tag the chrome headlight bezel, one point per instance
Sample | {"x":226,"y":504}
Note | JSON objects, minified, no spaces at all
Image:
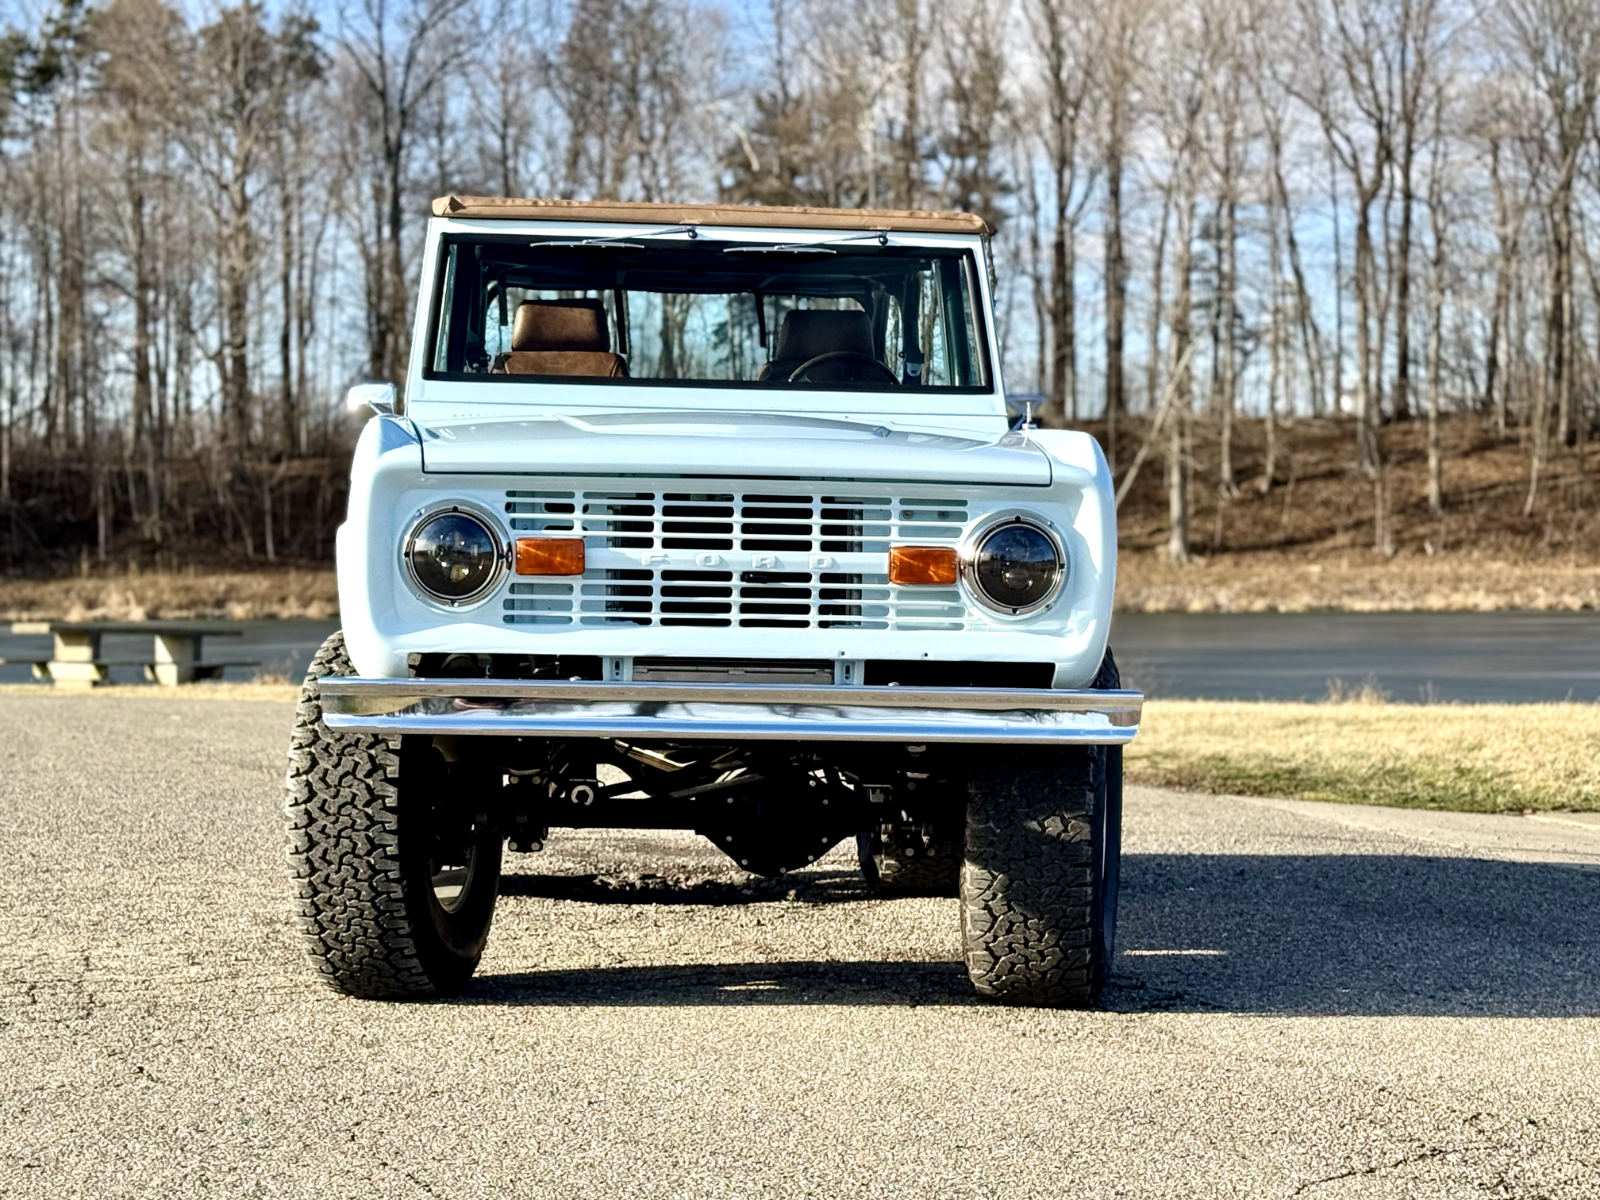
{"x":497,"y":572}
{"x":972,"y":545}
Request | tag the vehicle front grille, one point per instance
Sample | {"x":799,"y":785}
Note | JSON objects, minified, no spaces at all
{"x":752,"y":599}
{"x":787,"y":522}
{"x":734,"y":527}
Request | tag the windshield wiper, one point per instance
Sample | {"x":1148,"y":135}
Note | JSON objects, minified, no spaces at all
{"x":819,"y":248}
{"x":618,"y":241}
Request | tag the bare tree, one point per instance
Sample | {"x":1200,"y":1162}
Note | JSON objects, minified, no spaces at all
{"x":975,"y":110}
{"x":400,"y":52}
{"x":1118,"y":54}
{"x":1353,"y":88}
{"x":1068,"y":36}
{"x":1558,"y":45}
{"x":1226,"y":29}
{"x":1438,"y":223}
{"x":1180,"y":89}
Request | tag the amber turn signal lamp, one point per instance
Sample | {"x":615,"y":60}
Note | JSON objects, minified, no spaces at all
{"x":922,"y":564}
{"x":549,"y":556}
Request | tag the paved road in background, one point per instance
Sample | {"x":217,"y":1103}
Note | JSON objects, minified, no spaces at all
{"x":1311,"y":1001}
{"x":1272,"y":656}
{"x":1508,"y":656}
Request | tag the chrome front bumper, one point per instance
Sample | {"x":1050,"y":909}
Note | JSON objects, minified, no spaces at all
{"x":727,"y":712}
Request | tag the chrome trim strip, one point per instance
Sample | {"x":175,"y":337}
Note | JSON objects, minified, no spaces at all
{"x":726,"y":712}
{"x":356,"y":694}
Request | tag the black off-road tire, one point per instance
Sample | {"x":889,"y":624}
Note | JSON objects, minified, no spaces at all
{"x":921,"y":858}
{"x":360,"y":847}
{"x":1041,"y":872}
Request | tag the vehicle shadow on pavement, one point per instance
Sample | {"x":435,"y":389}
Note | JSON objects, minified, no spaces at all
{"x":1339,"y":935}
{"x":810,"y":887}
{"x":906,"y":984}
{"x":1312,"y":935}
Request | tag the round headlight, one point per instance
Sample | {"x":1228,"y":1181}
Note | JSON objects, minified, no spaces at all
{"x":454,"y":556}
{"x":1016,"y":567}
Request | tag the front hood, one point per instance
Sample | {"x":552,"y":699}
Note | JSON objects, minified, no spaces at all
{"x":691,"y":443}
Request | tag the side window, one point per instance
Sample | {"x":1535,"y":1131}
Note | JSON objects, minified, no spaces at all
{"x":928,"y":339}
{"x":966,"y":327}
{"x":938,"y":370}
{"x":447,"y":312}
{"x":894,"y":336}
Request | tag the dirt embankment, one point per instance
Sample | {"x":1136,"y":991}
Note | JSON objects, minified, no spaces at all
{"x":1306,"y":540}
{"x":139,"y":595}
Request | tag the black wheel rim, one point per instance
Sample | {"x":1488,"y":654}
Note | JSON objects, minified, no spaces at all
{"x":451,"y":872}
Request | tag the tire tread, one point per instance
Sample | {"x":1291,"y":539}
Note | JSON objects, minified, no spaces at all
{"x":1030,"y":882}
{"x":343,"y":815}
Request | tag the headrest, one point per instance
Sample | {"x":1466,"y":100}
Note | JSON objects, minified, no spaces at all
{"x":560,"y":325}
{"x":808,"y":332}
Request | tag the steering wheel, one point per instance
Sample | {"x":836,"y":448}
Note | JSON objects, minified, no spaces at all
{"x":796,"y":375}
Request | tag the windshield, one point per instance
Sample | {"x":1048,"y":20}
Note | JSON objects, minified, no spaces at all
{"x":637,"y":311}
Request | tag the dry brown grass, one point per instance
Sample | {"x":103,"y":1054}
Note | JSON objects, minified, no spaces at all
{"x":149,"y":595}
{"x":1466,"y":758}
{"x":1270,"y":581}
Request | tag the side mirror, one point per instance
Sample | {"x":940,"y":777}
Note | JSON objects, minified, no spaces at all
{"x":379,"y":397}
{"x":1022,"y":410}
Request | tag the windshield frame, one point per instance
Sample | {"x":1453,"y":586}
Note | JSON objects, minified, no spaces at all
{"x":967,"y":249}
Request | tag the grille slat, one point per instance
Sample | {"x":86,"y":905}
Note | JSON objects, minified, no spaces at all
{"x":792,"y":528}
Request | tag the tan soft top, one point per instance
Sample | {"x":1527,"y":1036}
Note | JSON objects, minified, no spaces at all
{"x":865,"y":219}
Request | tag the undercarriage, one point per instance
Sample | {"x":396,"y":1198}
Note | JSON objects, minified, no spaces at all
{"x":771,"y":807}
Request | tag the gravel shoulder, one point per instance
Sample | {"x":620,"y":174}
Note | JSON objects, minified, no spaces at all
{"x":1326,"y":1001}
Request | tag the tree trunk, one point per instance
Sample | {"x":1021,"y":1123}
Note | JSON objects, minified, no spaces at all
{"x":1116,"y":279}
{"x":1494,"y":387}
{"x":1178,"y":432}
{"x":1310,"y":335}
{"x":1338,"y":285}
{"x":1436,"y":218}
{"x":1275,"y":346}
{"x":395,"y":343}
{"x":236,"y":304}
{"x":1366,"y":416}
{"x":1435,"y":385}
{"x":1548,"y":382}
{"x":1402,"y":269}
{"x":1228,"y":265}
{"x":289,"y":418}
{"x":1152,"y":379}
{"x":1063,"y":309}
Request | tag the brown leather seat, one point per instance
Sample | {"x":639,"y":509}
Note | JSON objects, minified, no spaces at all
{"x":560,"y":337}
{"x":808,"y":332}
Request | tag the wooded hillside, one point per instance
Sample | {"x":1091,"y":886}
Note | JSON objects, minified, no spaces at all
{"x":1214,"y":218}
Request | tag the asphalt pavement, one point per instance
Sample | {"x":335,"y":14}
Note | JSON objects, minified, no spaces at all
{"x":1309,"y":1001}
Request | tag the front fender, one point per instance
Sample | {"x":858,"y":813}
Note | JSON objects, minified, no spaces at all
{"x":1080,"y":466}
{"x":387,"y":460}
